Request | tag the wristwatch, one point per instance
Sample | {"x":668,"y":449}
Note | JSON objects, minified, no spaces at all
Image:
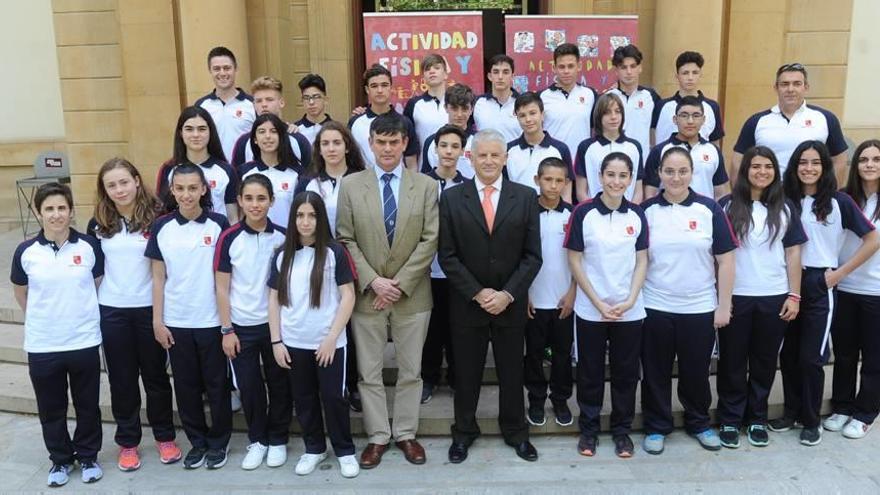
{"x":227,"y":330}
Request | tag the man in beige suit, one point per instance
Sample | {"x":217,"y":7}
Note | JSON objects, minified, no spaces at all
{"x":387,"y":217}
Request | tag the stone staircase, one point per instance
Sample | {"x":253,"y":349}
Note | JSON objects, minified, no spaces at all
{"x":16,"y":393}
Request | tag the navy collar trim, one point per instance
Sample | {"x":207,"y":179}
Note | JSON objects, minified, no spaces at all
{"x":560,"y":207}
{"x":605,"y":210}
{"x":545,"y":143}
{"x":183,"y":220}
{"x":241,"y":96}
{"x":73,"y":236}
{"x":270,"y":227}
{"x":262,"y":167}
{"x":605,"y":141}
{"x":458,"y":179}
{"x":678,"y":142}
{"x":689,"y":200}
{"x":305,"y":122}
{"x":677,"y":97}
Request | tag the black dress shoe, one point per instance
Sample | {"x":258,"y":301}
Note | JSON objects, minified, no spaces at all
{"x":458,"y":452}
{"x":526,"y":451}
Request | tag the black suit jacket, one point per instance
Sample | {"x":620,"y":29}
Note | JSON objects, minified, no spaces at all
{"x":472,"y":259}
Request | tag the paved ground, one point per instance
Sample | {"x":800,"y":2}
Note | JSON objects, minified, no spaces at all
{"x":837,"y":465}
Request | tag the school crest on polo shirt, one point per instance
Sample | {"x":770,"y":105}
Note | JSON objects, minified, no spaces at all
{"x":705,"y":157}
{"x":692,"y":224}
{"x":207,"y":240}
{"x":582,"y":99}
{"x":212,"y":184}
{"x":285,"y":186}
{"x":238,"y":113}
{"x":808,"y":123}
{"x":77,"y":259}
{"x":630,"y":230}
{"x":641,"y":103}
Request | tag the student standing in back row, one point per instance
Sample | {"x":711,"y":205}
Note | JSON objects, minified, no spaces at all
{"x":54,"y":279}
{"x":428,"y":110}
{"x":686,"y":300}
{"x":766,"y":296}
{"x":854,"y":328}
{"x":185,"y":317}
{"x":638,"y":101}
{"x":826,"y":214}
{"x":314,"y":100}
{"x":123,"y":216}
{"x":231,"y":108}
{"x":241,"y":265}
{"x":688,"y":71}
{"x":494,"y":110}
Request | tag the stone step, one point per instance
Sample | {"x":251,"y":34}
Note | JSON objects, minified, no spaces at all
{"x":17,"y":396}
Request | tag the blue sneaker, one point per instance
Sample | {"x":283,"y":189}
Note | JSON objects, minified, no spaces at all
{"x":91,"y":471}
{"x":59,"y":474}
{"x":708,"y":439}
{"x":653,"y":443}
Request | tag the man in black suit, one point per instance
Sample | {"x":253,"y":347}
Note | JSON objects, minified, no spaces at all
{"x":490,"y":250}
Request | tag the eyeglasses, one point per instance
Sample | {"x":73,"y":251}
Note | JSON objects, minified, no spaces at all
{"x":792,"y":67}
{"x":689,"y":116}
{"x":311,"y":98}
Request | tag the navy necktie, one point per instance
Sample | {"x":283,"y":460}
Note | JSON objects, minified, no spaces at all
{"x":389,"y":207}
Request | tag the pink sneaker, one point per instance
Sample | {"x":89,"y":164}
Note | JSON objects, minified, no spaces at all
{"x":129,"y":460}
{"x":169,"y":453}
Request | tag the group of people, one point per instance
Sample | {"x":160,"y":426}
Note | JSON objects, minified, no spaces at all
{"x":277,"y":259}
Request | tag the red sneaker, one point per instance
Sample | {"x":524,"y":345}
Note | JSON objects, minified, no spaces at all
{"x":129,"y":460}
{"x":169,"y":453}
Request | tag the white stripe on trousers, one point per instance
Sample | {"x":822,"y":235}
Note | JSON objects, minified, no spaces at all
{"x":827,"y":321}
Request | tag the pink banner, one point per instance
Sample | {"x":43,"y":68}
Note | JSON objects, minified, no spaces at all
{"x":530,"y":41}
{"x":399,"y":41}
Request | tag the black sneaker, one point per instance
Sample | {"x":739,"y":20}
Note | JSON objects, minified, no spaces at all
{"x":729,"y":436}
{"x":781,"y":424}
{"x":354,"y":401}
{"x":623,"y":446}
{"x":562,"y":413}
{"x":757,"y":435}
{"x":587,"y":445}
{"x":536,"y":414}
{"x":195,"y":458}
{"x":811,"y":436}
{"x":427,"y":392}
{"x":216,"y":458}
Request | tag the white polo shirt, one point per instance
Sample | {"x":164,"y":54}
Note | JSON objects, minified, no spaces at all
{"x":761,"y":269}
{"x":231,"y":118}
{"x":328,"y":188}
{"x":360,"y":131}
{"x":866,"y":278}
{"x":638,"y":110}
{"x":554,"y":279}
{"x":711,"y":130}
{"x":591,"y":152}
{"x":284,"y":180}
{"x":427,"y":114}
{"x":301,"y":147}
{"x":436,"y":270}
{"x":187,"y":249}
{"x":303,"y":326}
{"x":489,"y":113}
{"x":62,"y":302}
{"x":523,"y":159}
{"x":685,"y":238}
{"x":827,"y":238}
{"x":430,"y":159}
{"x":247,"y":254}
{"x":609,"y":240}
{"x":771,"y":128}
{"x":309,"y":130}
{"x":128,"y":278}
{"x":709,"y":169}
{"x":222,"y":181}
{"x":568,"y":116}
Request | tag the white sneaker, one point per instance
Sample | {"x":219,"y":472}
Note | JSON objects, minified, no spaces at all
{"x":856,"y":429}
{"x":835,"y":422}
{"x":277,"y":455}
{"x":308,"y":462}
{"x":254,"y":457}
{"x":348,"y":466}
{"x":235,"y":401}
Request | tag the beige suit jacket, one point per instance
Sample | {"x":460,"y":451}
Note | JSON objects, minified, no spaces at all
{"x":360,"y":226}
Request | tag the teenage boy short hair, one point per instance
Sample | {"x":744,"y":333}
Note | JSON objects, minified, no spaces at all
{"x":221,"y":51}
{"x":450,"y":129}
{"x":431,"y":60}
{"x":375,"y":70}
{"x":527,"y":98}
{"x":628,"y":51}
{"x":459,"y":96}
{"x":500,"y":59}
{"x":552,"y":162}
{"x":691,"y":101}
{"x":566,"y":49}
{"x":53,"y":189}
{"x":689,"y":58}
{"x":313,"y":81}
{"x":388,"y":124}
{"x":266,"y":82}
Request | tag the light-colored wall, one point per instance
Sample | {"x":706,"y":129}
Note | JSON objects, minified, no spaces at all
{"x":861,"y":114}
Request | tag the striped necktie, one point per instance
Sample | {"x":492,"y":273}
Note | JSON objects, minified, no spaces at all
{"x":389,"y":208}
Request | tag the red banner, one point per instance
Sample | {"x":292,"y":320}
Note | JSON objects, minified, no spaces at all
{"x":530,"y":41}
{"x":399,"y":41}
